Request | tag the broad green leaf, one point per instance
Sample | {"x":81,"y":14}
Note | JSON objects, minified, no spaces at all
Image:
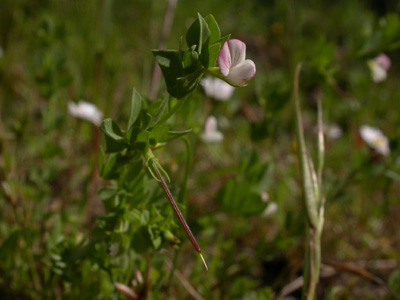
{"x":114,"y":137}
{"x":223,"y":40}
{"x":170,"y":62}
{"x":198,"y":34}
{"x":111,"y":129}
{"x":136,"y":104}
{"x":215,"y":33}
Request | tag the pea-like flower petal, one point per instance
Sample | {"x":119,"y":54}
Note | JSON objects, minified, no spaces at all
{"x":232,"y":63}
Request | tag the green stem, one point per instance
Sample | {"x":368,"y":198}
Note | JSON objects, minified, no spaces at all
{"x":154,"y":166}
{"x":173,"y":109}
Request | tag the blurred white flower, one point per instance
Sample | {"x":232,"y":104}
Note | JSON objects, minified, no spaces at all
{"x":211,"y":134}
{"x":86,"y":111}
{"x":270,"y":209}
{"x":375,"y":139}
{"x":379,"y":67}
{"x":232,"y":63}
{"x":333,"y":131}
{"x":125,"y":290}
{"x":264,"y":197}
{"x":217,"y":88}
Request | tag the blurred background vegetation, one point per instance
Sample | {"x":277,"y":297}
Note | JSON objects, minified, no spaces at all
{"x":53,"y":52}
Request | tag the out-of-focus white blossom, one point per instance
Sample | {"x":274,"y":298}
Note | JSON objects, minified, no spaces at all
{"x":333,"y":131}
{"x":86,"y":111}
{"x":265,"y":197}
{"x":379,"y":67}
{"x":217,"y":88}
{"x":126,"y":290}
{"x":375,"y":139}
{"x":211,"y":134}
{"x":271,"y":208}
{"x":233,"y":64}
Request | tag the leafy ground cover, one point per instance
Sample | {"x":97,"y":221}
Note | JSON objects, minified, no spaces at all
{"x":78,"y":223}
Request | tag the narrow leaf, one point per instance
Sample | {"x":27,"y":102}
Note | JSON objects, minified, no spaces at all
{"x":160,"y":111}
{"x":136,"y":104}
{"x":215,"y":33}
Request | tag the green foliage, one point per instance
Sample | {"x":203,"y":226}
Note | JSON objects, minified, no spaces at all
{"x":183,"y":70}
{"x":65,"y":233}
{"x":250,"y":180}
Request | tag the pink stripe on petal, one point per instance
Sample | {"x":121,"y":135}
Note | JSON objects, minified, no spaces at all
{"x":224,"y":60}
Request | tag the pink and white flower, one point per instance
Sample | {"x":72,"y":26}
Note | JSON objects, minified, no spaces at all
{"x":211,"y":135}
{"x":232,"y":63}
{"x":379,"y":67}
{"x":217,"y":88}
{"x":86,"y":111}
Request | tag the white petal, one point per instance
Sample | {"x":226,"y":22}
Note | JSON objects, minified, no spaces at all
{"x":86,"y":111}
{"x":375,"y":139}
{"x":270,"y":209}
{"x":237,"y":50}
{"x":217,"y":88}
{"x":242,"y":72}
{"x":211,"y":124}
{"x":212,"y":137}
{"x":222,"y":90}
{"x":224,"y":59}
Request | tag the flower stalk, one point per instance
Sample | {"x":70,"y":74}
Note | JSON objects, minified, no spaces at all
{"x":314,"y":199}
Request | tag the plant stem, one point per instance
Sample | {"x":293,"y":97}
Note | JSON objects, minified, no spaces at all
{"x":313,"y":198}
{"x":153,"y":165}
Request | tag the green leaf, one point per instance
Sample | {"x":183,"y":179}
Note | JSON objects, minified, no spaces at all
{"x":114,"y":137}
{"x":159,"y":134}
{"x":239,"y":199}
{"x":136,"y":104}
{"x":111,"y":129}
{"x":210,"y":56}
{"x":142,"y":141}
{"x":177,"y":134}
{"x":160,"y":111}
{"x":187,"y":83}
{"x":170,"y":62}
{"x":215,"y":33}
{"x":198,"y":34}
{"x":109,"y":169}
{"x":223,"y":40}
